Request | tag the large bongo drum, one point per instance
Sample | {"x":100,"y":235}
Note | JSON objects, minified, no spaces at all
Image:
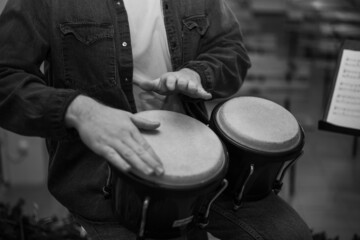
{"x":195,"y":164}
{"x":263,"y":139}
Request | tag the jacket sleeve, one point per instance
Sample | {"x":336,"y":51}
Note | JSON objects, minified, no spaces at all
{"x":27,"y":105}
{"x":222,"y":59}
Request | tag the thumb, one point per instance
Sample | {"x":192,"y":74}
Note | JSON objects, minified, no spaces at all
{"x":144,"y":124}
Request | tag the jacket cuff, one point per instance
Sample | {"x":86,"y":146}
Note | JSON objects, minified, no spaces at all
{"x":58,"y":105}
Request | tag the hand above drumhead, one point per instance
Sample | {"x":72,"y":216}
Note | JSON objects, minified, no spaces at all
{"x":185,"y":81}
{"x":114,"y":134}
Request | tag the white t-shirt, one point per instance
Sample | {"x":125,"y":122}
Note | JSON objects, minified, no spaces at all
{"x":150,"y":53}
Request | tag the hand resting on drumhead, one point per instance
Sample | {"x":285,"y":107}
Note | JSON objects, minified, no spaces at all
{"x":185,"y":81}
{"x":114,"y":134}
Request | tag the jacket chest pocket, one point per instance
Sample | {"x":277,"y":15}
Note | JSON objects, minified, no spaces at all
{"x":89,"y":55}
{"x":194,"y":28}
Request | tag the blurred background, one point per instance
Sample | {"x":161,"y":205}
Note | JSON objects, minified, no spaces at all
{"x":293,"y":46}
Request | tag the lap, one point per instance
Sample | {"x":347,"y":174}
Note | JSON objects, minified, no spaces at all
{"x":268,"y":219}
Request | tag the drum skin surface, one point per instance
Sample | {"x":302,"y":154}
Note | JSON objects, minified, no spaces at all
{"x":190,"y":152}
{"x":259,"y":124}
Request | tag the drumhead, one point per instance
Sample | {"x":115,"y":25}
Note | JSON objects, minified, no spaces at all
{"x":258,"y":124}
{"x":190,"y":151}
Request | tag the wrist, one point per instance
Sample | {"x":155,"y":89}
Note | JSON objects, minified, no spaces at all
{"x":78,"y":109}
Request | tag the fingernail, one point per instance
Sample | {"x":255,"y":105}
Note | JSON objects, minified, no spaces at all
{"x":149,"y":171}
{"x":159,"y":171}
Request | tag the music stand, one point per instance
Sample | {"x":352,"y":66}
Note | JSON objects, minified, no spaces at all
{"x":342,"y":112}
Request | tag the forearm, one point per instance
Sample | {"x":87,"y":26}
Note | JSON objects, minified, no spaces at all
{"x":222,"y":60}
{"x":29,"y":107}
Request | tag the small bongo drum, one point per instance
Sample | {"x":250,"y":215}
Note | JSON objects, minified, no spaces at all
{"x":195,"y":164}
{"x":261,"y":137}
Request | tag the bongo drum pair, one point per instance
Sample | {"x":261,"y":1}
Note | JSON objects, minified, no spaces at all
{"x":248,"y":143}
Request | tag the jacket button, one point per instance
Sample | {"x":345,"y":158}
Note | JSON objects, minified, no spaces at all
{"x":118,"y":3}
{"x":124,"y":44}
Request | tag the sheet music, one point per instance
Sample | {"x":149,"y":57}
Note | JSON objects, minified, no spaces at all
{"x":345,"y":103}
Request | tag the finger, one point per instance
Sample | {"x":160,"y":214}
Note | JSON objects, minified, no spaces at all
{"x":145,"y":124}
{"x":131,"y":157}
{"x":170,"y":82}
{"x":141,"y":147}
{"x":159,"y":85}
{"x":192,"y":88}
{"x":148,"y":85}
{"x":196,"y":91}
{"x":115,"y":159}
{"x":201,"y":93}
{"x":182,"y":85}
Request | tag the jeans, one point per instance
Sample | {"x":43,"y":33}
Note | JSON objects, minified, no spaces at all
{"x":270,"y":218}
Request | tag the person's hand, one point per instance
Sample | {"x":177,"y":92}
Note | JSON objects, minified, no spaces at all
{"x":114,"y":134}
{"x":185,"y":81}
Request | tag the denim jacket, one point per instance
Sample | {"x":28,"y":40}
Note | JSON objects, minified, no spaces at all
{"x":86,"y":49}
